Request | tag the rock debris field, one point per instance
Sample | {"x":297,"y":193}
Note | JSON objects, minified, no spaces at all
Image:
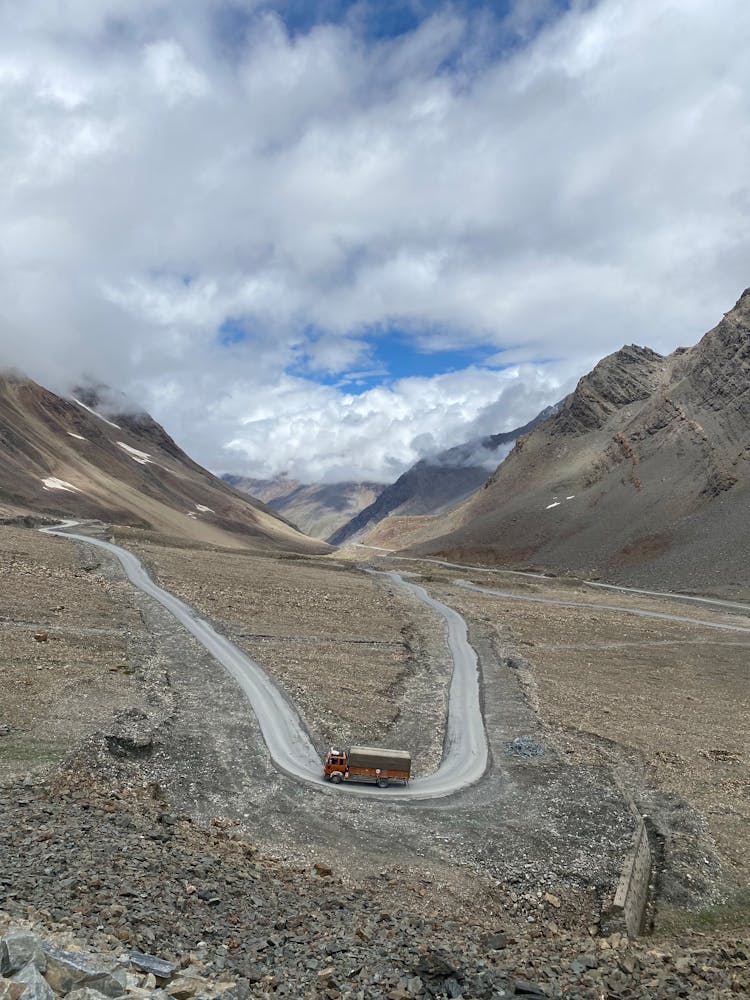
{"x":116,"y":874}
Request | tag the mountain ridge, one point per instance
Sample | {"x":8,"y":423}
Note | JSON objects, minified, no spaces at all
{"x":642,"y":477}
{"x":317,"y":509}
{"x":59,"y":457}
{"x":436,"y":483}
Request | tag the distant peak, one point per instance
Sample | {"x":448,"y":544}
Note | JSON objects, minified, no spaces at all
{"x":104,"y":399}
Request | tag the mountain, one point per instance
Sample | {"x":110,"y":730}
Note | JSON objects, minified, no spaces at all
{"x":62,"y":458}
{"x":318,"y":510}
{"x":437,"y":483}
{"x":643,"y":475}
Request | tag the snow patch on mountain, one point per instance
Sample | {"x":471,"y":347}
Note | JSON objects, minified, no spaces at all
{"x":142,"y":457}
{"x":52,"y":483}
{"x":88,"y":408}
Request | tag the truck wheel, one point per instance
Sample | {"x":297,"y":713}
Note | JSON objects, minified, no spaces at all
{"x":382,"y":782}
{"x":336,"y":777}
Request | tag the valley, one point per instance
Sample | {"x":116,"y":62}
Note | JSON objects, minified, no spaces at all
{"x":585,"y":711}
{"x":581,"y":781}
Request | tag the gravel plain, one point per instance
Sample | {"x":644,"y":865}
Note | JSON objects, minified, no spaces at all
{"x":169,"y":770}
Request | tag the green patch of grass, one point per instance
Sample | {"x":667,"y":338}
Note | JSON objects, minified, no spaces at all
{"x":732,"y":915}
{"x":23,"y":753}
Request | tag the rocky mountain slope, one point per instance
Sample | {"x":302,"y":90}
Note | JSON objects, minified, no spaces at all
{"x":318,"y":510}
{"x":434,"y":484}
{"x":61,"y":458}
{"x":643,"y":475}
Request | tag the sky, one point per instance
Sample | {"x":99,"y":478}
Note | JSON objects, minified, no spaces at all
{"x":330,"y":238}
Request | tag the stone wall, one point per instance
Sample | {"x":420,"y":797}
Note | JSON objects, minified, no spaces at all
{"x":626,"y":912}
{"x":631,"y":897}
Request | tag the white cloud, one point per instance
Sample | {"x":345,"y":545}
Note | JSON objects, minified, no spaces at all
{"x":173,"y":76}
{"x":588,"y":187}
{"x":327,"y":435}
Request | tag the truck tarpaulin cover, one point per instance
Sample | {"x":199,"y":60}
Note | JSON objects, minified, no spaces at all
{"x":395,"y":760}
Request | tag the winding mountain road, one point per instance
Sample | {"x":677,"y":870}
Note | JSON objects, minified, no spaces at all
{"x":289,"y":745}
{"x":465,"y":752}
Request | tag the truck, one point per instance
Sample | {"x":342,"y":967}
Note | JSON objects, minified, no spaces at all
{"x":373,"y":765}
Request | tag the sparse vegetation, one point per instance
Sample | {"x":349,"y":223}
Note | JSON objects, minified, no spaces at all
{"x":732,"y":915}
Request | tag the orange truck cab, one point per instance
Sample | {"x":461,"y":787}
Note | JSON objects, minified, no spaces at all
{"x":373,"y":765}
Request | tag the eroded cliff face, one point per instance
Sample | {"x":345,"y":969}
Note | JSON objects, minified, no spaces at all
{"x":630,"y":375}
{"x":646,"y":466}
{"x":720,"y":372}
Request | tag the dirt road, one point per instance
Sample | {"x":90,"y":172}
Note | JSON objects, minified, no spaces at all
{"x":288,"y":742}
{"x":588,"y":606}
{"x":559,"y":718}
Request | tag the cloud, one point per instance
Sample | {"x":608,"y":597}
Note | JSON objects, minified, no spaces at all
{"x":327,"y":435}
{"x":546,"y":186}
{"x":172,"y":75}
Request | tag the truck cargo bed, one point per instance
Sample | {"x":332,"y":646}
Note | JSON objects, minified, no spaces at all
{"x":372,"y":757}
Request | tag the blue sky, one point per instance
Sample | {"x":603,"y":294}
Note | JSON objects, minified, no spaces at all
{"x":404,"y":225}
{"x":387,"y":356}
{"x":388,"y":353}
{"x":374,"y":19}
{"x":396,"y":354}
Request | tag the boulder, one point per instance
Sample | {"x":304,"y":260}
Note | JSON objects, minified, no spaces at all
{"x":158,"y":967}
{"x":86,"y":993}
{"x":19,"y":948}
{"x":35,"y":985}
{"x":72,"y":970}
{"x":185,"y":987}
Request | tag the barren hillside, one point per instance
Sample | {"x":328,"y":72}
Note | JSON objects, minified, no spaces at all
{"x":318,"y":509}
{"x":642,"y":476}
{"x":436,"y":484}
{"x":62,"y":458}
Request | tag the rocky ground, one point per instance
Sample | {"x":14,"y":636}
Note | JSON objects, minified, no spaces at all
{"x":69,"y":637}
{"x":121,"y":872}
{"x":168,"y":830}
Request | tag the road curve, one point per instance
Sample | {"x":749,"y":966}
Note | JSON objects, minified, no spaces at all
{"x":288,"y":742}
{"x":502,"y":571}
